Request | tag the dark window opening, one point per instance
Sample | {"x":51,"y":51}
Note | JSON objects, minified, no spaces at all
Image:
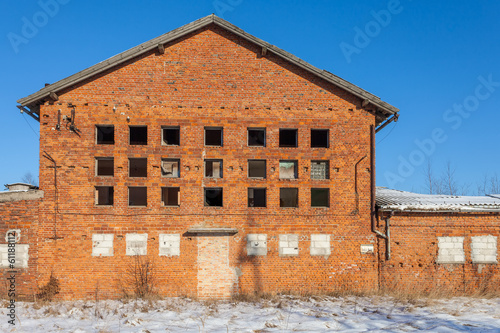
{"x":170,"y":168}
{"x":138,"y":167}
{"x":257,"y":137}
{"x":171,"y":136}
{"x":105,"y":166}
{"x":320,"y":170}
{"x":170,"y":196}
{"x":104,"y":195}
{"x":319,"y":138}
{"x":105,"y":134}
{"x":213,"y":197}
{"x":288,"y":138}
{"x":213,"y":137}
{"x":137,"y":196}
{"x":320,"y":197}
{"x":289,"y":197}
{"x":138,"y":135}
{"x":288,"y":169}
{"x":213,"y":168}
{"x":256,"y":197}
{"x":257,"y":168}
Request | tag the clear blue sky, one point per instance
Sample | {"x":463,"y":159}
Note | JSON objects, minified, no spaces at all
{"x":437,"y":61}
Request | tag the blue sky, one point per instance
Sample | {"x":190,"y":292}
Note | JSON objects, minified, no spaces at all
{"x":437,"y":61}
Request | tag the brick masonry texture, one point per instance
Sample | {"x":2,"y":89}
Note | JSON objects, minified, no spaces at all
{"x":415,"y":261}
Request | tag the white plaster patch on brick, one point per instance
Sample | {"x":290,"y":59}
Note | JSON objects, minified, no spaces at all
{"x":450,"y":250}
{"x":170,"y":245}
{"x":320,"y":245}
{"x":257,"y":244}
{"x":10,"y":233}
{"x":102,"y":245}
{"x":484,"y":249}
{"x":367,"y":248}
{"x":21,"y":255}
{"x":289,"y":245}
{"x":137,"y":244}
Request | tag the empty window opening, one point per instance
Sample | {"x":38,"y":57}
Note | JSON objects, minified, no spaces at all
{"x":289,"y":197}
{"x":105,"y":134}
{"x":170,"y":196}
{"x":213,"y":136}
{"x":213,"y":197}
{"x":319,"y":138}
{"x":138,"y":135}
{"x":213,"y":168}
{"x":257,"y":168}
{"x":288,"y":169}
{"x":104,"y":166}
{"x":137,"y":196}
{"x":170,"y":168}
{"x":257,"y":137}
{"x":138,"y":167}
{"x":256,"y":197}
{"x":104,"y":195}
{"x":171,"y":136}
{"x":320,"y":197}
{"x":288,"y":138}
{"x":319,"y":170}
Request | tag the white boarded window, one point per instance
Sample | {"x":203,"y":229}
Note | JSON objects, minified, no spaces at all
{"x":170,"y":244}
{"x":102,"y":245}
{"x":137,"y":244}
{"x":20,"y":255}
{"x":289,"y":245}
{"x":288,"y":169}
{"x":170,"y":168}
{"x":320,"y":245}
{"x":257,"y":244}
{"x":484,"y":249}
{"x":450,"y":250}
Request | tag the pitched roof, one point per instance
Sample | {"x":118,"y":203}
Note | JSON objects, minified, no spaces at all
{"x":395,"y":200}
{"x":382,"y":108}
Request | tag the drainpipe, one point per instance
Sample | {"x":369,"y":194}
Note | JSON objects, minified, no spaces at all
{"x":372,"y":182}
{"x":356,"y":193}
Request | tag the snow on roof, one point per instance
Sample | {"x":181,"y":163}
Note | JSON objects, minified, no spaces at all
{"x":388,"y":199}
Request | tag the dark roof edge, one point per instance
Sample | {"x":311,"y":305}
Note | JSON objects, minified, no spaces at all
{"x":186,"y":29}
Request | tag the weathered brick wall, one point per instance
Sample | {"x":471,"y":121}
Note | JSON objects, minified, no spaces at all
{"x":415,"y":262}
{"x":20,"y":215}
{"x":209,"y":78}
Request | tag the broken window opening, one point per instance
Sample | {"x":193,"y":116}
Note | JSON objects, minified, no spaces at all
{"x":256,"y":137}
{"x":170,"y":168}
{"x":104,"y":195}
{"x":288,"y":169}
{"x":138,"y":167}
{"x":257,"y":168}
{"x":213,"y":136}
{"x":105,"y":134}
{"x":288,"y":137}
{"x":137,"y":196}
{"x":105,"y":166}
{"x":320,"y":170}
{"x":213,"y":197}
{"x":256,"y":197}
{"x":171,"y":136}
{"x":319,"y":138}
{"x":289,"y":197}
{"x":170,"y":196}
{"x":213,"y":168}
{"x":138,"y":135}
{"x":320,"y":197}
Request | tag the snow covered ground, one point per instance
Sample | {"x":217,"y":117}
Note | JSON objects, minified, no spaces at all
{"x":279,"y":314}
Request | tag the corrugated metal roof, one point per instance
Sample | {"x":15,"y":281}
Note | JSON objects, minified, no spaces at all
{"x":388,"y":199}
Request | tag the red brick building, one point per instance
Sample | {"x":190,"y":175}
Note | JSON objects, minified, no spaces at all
{"x":232,"y":165}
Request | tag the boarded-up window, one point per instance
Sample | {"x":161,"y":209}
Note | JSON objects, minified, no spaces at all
{"x":102,"y":245}
{"x":319,"y":170}
{"x":288,"y":169}
{"x":170,"y":196}
{"x":170,"y":245}
{"x":170,"y":168}
{"x":213,"y":168}
{"x":289,"y":197}
{"x":137,"y":244}
{"x":451,"y":250}
{"x":484,"y":249}
{"x":104,"y":195}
